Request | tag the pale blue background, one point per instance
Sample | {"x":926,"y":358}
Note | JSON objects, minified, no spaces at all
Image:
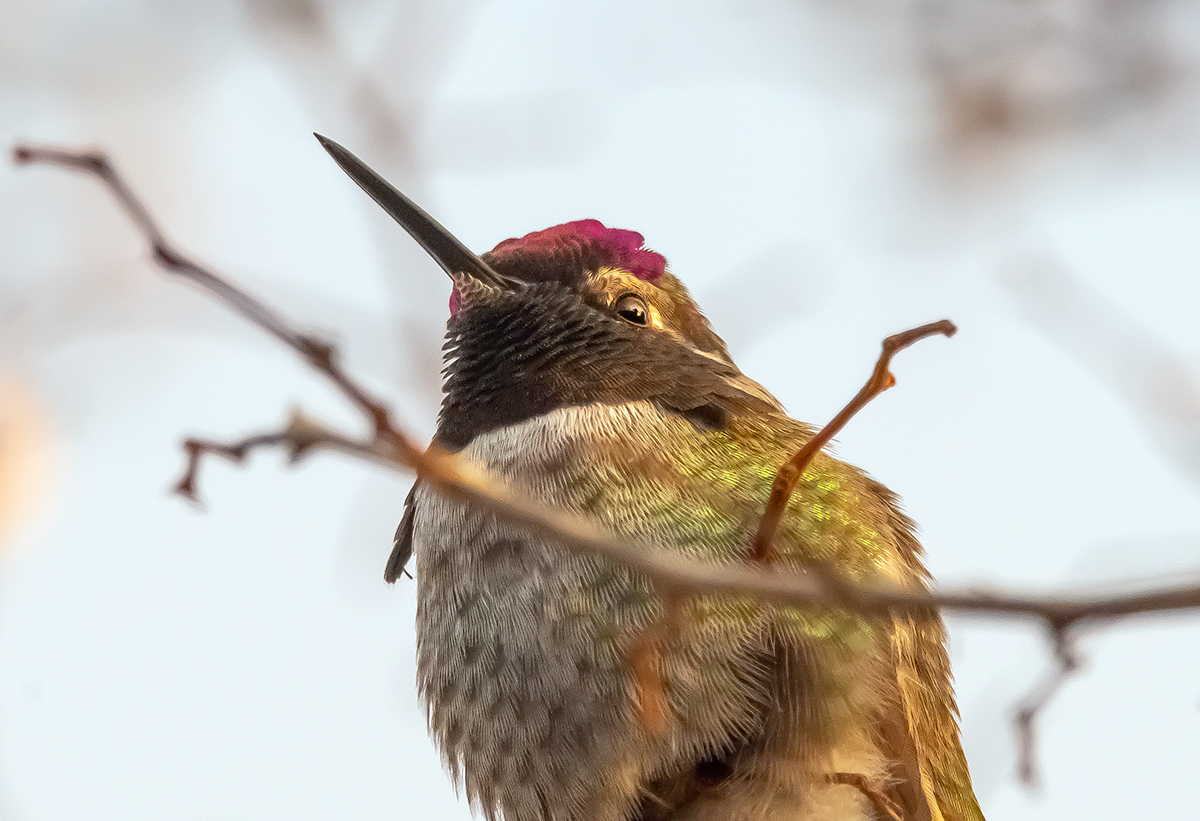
{"x":794,"y":163}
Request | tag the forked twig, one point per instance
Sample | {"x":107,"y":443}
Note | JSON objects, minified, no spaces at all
{"x":1066,"y":663}
{"x":301,"y":435}
{"x":318,"y":353}
{"x":790,"y":472}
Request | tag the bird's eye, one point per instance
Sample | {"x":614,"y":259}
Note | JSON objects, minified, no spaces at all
{"x":632,"y":308}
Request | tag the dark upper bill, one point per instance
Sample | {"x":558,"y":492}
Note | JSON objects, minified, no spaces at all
{"x":444,"y":247}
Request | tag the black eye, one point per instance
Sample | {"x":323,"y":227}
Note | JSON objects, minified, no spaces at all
{"x":632,"y":308}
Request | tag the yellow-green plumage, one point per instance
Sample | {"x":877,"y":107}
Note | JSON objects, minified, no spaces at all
{"x":702,"y":494}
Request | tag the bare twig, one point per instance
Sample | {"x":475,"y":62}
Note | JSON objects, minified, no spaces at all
{"x":1066,"y":663}
{"x":298,"y":437}
{"x":674,"y":575}
{"x":318,"y":353}
{"x":789,"y":474}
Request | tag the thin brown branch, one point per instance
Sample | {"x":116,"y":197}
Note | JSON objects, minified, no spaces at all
{"x":790,"y":472}
{"x":298,"y":437}
{"x":318,"y":353}
{"x":1066,"y":663}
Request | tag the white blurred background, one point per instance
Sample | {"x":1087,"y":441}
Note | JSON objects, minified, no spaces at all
{"x":821,"y":172}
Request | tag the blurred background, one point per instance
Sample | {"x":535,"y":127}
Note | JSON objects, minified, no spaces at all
{"x":821,"y":173}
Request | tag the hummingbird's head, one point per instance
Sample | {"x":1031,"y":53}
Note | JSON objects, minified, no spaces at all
{"x":573,"y":315}
{"x":611,"y":271}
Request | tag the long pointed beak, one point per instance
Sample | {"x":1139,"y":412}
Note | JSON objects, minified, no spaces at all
{"x":444,"y":247}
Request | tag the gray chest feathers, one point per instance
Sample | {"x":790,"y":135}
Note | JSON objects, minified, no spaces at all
{"x":523,"y":649}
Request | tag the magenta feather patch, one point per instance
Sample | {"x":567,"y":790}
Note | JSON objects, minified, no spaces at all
{"x":574,"y":247}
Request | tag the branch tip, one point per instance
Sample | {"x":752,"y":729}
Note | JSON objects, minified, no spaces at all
{"x":1067,"y":663}
{"x":790,"y":473}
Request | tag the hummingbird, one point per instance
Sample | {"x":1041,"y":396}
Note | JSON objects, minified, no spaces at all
{"x":579,"y":369}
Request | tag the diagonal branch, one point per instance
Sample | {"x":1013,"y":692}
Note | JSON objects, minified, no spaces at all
{"x":789,"y":474}
{"x":318,"y":353}
{"x":1066,"y":663}
{"x":301,"y":435}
